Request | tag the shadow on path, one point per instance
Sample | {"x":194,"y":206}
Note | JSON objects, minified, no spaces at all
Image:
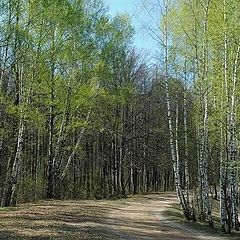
{"x":147,"y":217}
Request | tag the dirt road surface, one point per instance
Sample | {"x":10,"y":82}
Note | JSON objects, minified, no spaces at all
{"x":149,"y":217}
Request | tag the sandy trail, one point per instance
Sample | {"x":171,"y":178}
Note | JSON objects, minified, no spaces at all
{"x":155,"y":216}
{"x":152,"y":217}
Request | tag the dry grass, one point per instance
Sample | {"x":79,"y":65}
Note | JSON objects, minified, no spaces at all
{"x":154,"y":216}
{"x":56,"y":220}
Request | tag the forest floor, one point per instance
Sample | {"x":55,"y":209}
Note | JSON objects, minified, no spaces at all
{"x":155,"y":216}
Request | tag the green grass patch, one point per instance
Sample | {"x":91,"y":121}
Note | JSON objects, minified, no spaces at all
{"x":8,"y":209}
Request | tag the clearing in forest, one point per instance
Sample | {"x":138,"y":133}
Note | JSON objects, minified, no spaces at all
{"x":155,"y":216}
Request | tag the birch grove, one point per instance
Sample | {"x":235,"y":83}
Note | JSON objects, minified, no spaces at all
{"x":84,"y":114}
{"x":200,"y":44}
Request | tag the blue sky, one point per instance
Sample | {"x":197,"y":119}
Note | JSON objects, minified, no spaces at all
{"x":133,"y":7}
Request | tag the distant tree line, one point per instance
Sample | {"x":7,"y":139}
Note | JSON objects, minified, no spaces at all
{"x":82,"y":114}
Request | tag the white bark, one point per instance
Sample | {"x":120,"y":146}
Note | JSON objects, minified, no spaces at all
{"x":80,"y":136}
{"x":233,"y":147}
{"x":17,"y":160}
{"x":173,"y":147}
{"x":206,"y":206}
{"x":61,"y":137}
{"x":222,"y":179}
{"x":186,"y":172}
{"x":76,"y":147}
{"x":203,"y":164}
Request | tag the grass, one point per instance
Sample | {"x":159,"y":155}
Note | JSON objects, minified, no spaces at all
{"x":55,"y":220}
{"x":174,"y":213}
{"x":101,"y":219}
{"x":6,"y":209}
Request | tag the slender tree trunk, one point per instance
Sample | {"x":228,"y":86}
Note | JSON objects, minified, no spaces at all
{"x":206,"y":206}
{"x":186,"y":172}
{"x":173,"y":148}
{"x":223,"y":213}
{"x":17,"y":162}
{"x":50,"y":167}
{"x":233,"y":148}
{"x":223,"y":185}
{"x":76,"y":147}
{"x":61,"y":136}
{"x":10,"y":191}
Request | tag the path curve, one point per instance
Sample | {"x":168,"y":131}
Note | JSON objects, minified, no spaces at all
{"x":156,"y":217}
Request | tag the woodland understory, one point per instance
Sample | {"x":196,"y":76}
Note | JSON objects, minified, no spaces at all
{"x":85,"y":115}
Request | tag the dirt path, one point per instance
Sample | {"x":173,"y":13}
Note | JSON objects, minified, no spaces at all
{"x":143,"y":217}
{"x":158,"y":217}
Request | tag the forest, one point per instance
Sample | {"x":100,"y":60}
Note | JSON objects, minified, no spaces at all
{"x":85,"y":116}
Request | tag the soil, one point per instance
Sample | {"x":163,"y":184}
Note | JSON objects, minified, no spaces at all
{"x":155,"y":216}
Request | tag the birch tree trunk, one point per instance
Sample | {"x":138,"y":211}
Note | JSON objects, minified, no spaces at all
{"x":233,"y":149}
{"x":186,"y":172}
{"x":76,"y":147}
{"x":206,"y":208}
{"x":79,"y":139}
{"x":61,"y":136}
{"x":50,"y":167}
{"x":10,"y":192}
{"x":207,"y":212}
{"x":222,"y":179}
{"x":17,"y":162}
{"x":173,"y":147}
